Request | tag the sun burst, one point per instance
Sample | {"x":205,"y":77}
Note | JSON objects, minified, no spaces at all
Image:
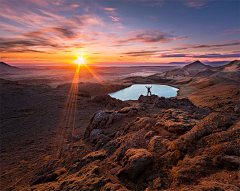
{"x":80,"y":60}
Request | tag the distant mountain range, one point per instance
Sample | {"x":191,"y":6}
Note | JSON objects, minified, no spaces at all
{"x":7,"y":68}
{"x":198,"y":69}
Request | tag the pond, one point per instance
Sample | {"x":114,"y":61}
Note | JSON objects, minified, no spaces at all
{"x":133,"y":92}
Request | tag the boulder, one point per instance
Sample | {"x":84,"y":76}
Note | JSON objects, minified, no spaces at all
{"x":101,"y":120}
{"x":135,"y":161}
{"x":178,"y":127}
{"x":101,"y":141}
{"x":147,"y":99}
{"x":158,"y":144}
{"x":95,"y":133}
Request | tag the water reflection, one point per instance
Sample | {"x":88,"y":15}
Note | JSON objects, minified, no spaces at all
{"x":133,"y":92}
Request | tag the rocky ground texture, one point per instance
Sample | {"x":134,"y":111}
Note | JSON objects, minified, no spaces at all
{"x":169,"y":144}
{"x":153,"y":143}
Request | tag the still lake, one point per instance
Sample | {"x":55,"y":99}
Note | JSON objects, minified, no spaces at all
{"x":133,"y":92}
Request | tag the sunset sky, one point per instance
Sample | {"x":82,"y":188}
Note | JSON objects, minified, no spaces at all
{"x":130,"y":32}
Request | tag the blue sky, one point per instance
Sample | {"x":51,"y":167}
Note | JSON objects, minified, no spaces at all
{"x":131,"y":32}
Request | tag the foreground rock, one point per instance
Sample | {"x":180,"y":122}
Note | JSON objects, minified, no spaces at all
{"x":136,"y":161}
{"x":171,"y":148}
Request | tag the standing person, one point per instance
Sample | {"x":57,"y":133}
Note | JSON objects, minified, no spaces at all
{"x":149,"y":90}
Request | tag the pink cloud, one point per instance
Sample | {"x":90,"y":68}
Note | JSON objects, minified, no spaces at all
{"x":114,"y":18}
{"x":196,"y":3}
{"x":181,"y":38}
{"x":110,"y":9}
{"x":231,"y":31}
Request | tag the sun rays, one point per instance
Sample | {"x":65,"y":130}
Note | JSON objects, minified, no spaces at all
{"x":68,"y":119}
{"x":69,"y":114}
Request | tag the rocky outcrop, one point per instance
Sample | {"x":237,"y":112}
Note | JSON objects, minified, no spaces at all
{"x":147,"y":99}
{"x":166,"y":150}
{"x":101,"y":120}
{"x":104,"y":118}
{"x":158,"y":145}
{"x":214,"y":122}
{"x":108,"y":101}
{"x":135,"y":161}
{"x":167,"y":103}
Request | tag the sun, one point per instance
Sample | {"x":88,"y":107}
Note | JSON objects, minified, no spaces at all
{"x":80,"y":60}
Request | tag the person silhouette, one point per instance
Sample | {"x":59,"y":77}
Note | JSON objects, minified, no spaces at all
{"x":149,"y":90}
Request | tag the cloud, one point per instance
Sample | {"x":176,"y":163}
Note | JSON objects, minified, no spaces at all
{"x":115,"y":18}
{"x":34,"y":34}
{"x":188,"y":46}
{"x":87,"y":20}
{"x":42,"y":3}
{"x":10,"y":28}
{"x":181,"y":38}
{"x":62,"y":32}
{"x":20,"y":45}
{"x":180,"y":63}
{"x":151,"y":36}
{"x":229,"y":55}
{"x":44,"y":19}
{"x":27,"y":19}
{"x":25,"y":51}
{"x":213,"y":55}
{"x":65,"y":8}
{"x":173,"y":55}
{"x":67,"y":33}
{"x":141,"y":53}
{"x":74,"y":5}
{"x":110,"y":9}
{"x":233,"y":31}
{"x":195,"y":3}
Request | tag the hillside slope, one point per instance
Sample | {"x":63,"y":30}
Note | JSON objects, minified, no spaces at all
{"x":7,"y":68}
